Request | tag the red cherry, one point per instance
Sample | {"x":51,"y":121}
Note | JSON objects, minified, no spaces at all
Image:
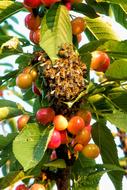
{"x":78,"y":147}
{"x":21,"y":187}
{"x":1,"y":93}
{"x":83,"y":137}
{"x":32,"y":22}
{"x":88,"y":128}
{"x":36,"y":90}
{"x":45,"y":115}
{"x":55,"y":140}
{"x":64,"y":137}
{"x":75,"y":125}
{"x":100,"y":61}
{"x":48,"y":3}
{"x":86,"y":115}
{"x":60,"y":122}
{"x":36,"y":36}
{"x":32,"y":3}
{"x":68,"y":6}
{"x":53,"y":155}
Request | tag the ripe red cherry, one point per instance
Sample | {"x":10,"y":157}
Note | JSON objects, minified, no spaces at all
{"x":91,"y":151}
{"x":36,"y":90}
{"x":22,"y":121}
{"x":48,"y":3}
{"x":68,"y":6}
{"x":64,"y":137}
{"x":32,"y":22}
{"x":55,"y":140}
{"x":83,"y":137}
{"x":32,"y":3}
{"x":21,"y":187}
{"x":86,"y":115}
{"x":75,"y":125}
{"x":45,"y":115}
{"x":100,"y":61}
{"x":37,"y":186}
{"x":60,"y":122}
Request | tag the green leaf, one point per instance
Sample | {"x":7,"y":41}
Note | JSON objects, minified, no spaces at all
{"x":24,"y":60}
{"x":119,"y":97}
{"x":117,"y":70}
{"x":4,"y":141}
{"x":9,"y":8}
{"x":55,"y":30}
{"x":84,"y":9}
{"x":12,"y":178}
{"x":28,"y":95}
{"x":60,"y":163}
{"x":108,"y":150}
{"x":101,"y":29}
{"x":122,"y":3}
{"x":8,"y":103}
{"x":118,"y":118}
{"x":32,"y":144}
{"x":9,"y":112}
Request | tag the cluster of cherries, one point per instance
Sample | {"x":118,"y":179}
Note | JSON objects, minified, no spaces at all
{"x":78,"y":126}
{"x":33,"y":21}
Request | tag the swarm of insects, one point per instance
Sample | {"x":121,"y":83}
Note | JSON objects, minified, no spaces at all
{"x":65,"y":77}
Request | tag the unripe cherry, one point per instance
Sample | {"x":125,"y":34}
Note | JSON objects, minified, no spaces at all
{"x":24,"y":81}
{"x":37,"y":186}
{"x":83,"y":137}
{"x":22,"y":121}
{"x":91,"y":151}
{"x":78,"y":147}
{"x":60,"y":122}
{"x":86,"y":115}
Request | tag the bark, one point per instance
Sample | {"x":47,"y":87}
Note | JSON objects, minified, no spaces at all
{"x":63,"y":179}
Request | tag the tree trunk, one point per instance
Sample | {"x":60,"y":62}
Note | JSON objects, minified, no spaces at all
{"x":63,"y":179}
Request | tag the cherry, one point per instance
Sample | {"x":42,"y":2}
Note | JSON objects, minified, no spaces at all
{"x":32,"y":22}
{"x":100,"y":61}
{"x":64,"y":137}
{"x":32,"y":3}
{"x":91,"y":151}
{"x":21,"y":187}
{"x":36,"y":90}
{"x":48,"y":3}
{"x":68,"y":6}
{"x":53,"y":155}
{"x":83,"y":137}
{"x":78,"y":147}
{"x":45,"y":115}
{"x":60,"y":122}
{"x":37,"y":186}
{"x":79,"y":37}
{"x":78,"y":25}
{"x":32,"y":72}
{"x":86,"y":115}
{"x":55,"y":140}
{"x":88,"y":128}
{"x":75,"y":125}
{"x":22,"y":121}
{"x":36,"y":36}
{"x":24,"y":80}
{"x":1,"y":92}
